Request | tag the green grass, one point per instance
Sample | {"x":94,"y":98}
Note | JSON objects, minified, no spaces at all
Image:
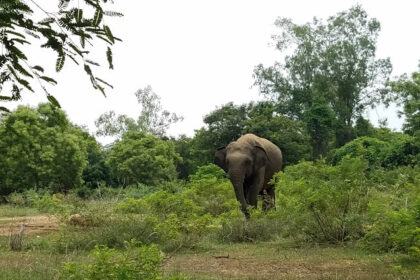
{"x":268,"y":260}
{"x":276,"y":260}
{"x":32,"y":265}
{"x":8,"y":211}
{"x":281,"y":259}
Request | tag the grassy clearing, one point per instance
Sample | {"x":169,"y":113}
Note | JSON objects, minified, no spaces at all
{"x":273,"y":260}
{"x":267,"y":260}
{"x":8,"y":211}
{"x":211,"y":260}
{"x":37,"y":265}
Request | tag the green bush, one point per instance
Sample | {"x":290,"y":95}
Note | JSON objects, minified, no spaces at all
{"x":135,"y":262}
{"x":50,"y":204}
{"x":112,"y":232}
{"x":211,"y":190}
{"x":234,"y":227}
{"x":394,"y":215}
{"x":131,"y":205}
{"x":142,"y":158}
{"x":40,"y":148}
{"x":371,"y":149}
{"x":323,"y":203}
{"x":386,"y":149}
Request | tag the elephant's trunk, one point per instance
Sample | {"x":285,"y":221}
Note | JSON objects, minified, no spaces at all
{"x":237,"y":178}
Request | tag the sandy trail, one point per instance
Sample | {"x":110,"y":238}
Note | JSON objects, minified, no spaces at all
{"x":34,"y":224}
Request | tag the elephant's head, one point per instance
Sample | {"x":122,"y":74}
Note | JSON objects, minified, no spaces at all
{"x":241,"y":161}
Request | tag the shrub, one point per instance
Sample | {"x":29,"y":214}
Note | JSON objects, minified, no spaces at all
{"x":112,"y":232}
{"x":211,"y":190}
{"x":16,"y":199}
{"x":131,"y":205}
{"x":322,"y":203}
{"x":394,"y":215}
{"x":259,"y":227}
{"x":135,"y":262}
{"x":50,"y":204}
{"x":142,"y":158}
{"x":371,"y":149}
{"x":388,"y":150}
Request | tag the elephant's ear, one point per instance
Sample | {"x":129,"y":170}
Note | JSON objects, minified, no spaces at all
{"x":220,"y":158}
{"x":261,"y":157}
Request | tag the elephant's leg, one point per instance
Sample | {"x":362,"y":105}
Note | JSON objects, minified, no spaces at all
{"x":247,"y":185}
{"x":255,"y":187}
{"x":269,"y":200}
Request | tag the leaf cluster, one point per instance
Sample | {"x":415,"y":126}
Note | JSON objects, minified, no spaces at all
{"x":67,"y":32}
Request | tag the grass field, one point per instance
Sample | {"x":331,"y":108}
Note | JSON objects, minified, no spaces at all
{"x":210,"y":260}
{"x":236,"y":261}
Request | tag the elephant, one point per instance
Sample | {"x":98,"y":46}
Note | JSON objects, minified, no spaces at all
{"x":251,"y":162}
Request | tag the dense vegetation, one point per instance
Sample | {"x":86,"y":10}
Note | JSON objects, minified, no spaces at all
{"x":346,"y":182}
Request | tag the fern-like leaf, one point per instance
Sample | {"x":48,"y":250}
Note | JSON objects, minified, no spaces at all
{"x":63,"y":4}
{"x":48,"y":79}
{"x":113,"y":14}
{"x":25,"y":83}
{"x":38,"y":68}
{"x":104,"y":82}
{"x":109,"y":57}
{"x":60,"y":62}
{"x":78,"y":15}
{"x":53,"y":101}
{"x":97,"y":18}
{"x":92,"y":62}
{"x":15,"y":33}
{"x":108,"y":33}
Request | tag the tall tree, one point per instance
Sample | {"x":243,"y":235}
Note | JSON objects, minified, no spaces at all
{"x":69,"y":31}
{"x":153,"y":119}
{"x":142,"y":158}
{"x":408,"y":96}
{"x":40,"y":148}
{"x":331,"y":62}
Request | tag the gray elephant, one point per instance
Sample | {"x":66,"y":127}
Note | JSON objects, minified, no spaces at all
{"x":251,"y":162}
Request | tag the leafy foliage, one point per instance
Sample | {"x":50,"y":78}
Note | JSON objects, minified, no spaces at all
{"x":408,"y":95}
{"x":97,"y":170}
{"x":40,"y":149}
{"x":65,"y":32}
{"x":135,"y":262}
{"x":387,"y":149}
{"x":142,"y":158}
{"x":331,"y":62}
{"x":152,"y":119}
{"x":394,"y":214}
{"x":323,"y":203}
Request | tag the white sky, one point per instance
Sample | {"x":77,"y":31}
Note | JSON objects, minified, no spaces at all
{"x":197,"y":55}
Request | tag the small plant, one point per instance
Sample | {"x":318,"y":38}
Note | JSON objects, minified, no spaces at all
{"x":134,"y":262}
{"x":50,"y":204}
{"x":131,"y":205}
{"x":259,"y":227}
{"x":323,"y":203}
{"x":16,"y":239}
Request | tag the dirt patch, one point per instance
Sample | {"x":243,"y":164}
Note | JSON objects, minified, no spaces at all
{"x":33,"y":224}
{"x":250,"y":268}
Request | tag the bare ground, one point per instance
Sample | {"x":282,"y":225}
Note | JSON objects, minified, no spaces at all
{"x":248,"y":268}
{"x":33,"y":224}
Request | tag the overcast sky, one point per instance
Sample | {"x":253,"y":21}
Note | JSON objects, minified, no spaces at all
{"x":197,"y":55}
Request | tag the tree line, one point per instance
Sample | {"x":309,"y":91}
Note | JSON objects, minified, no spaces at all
{"x":315,"y":100}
